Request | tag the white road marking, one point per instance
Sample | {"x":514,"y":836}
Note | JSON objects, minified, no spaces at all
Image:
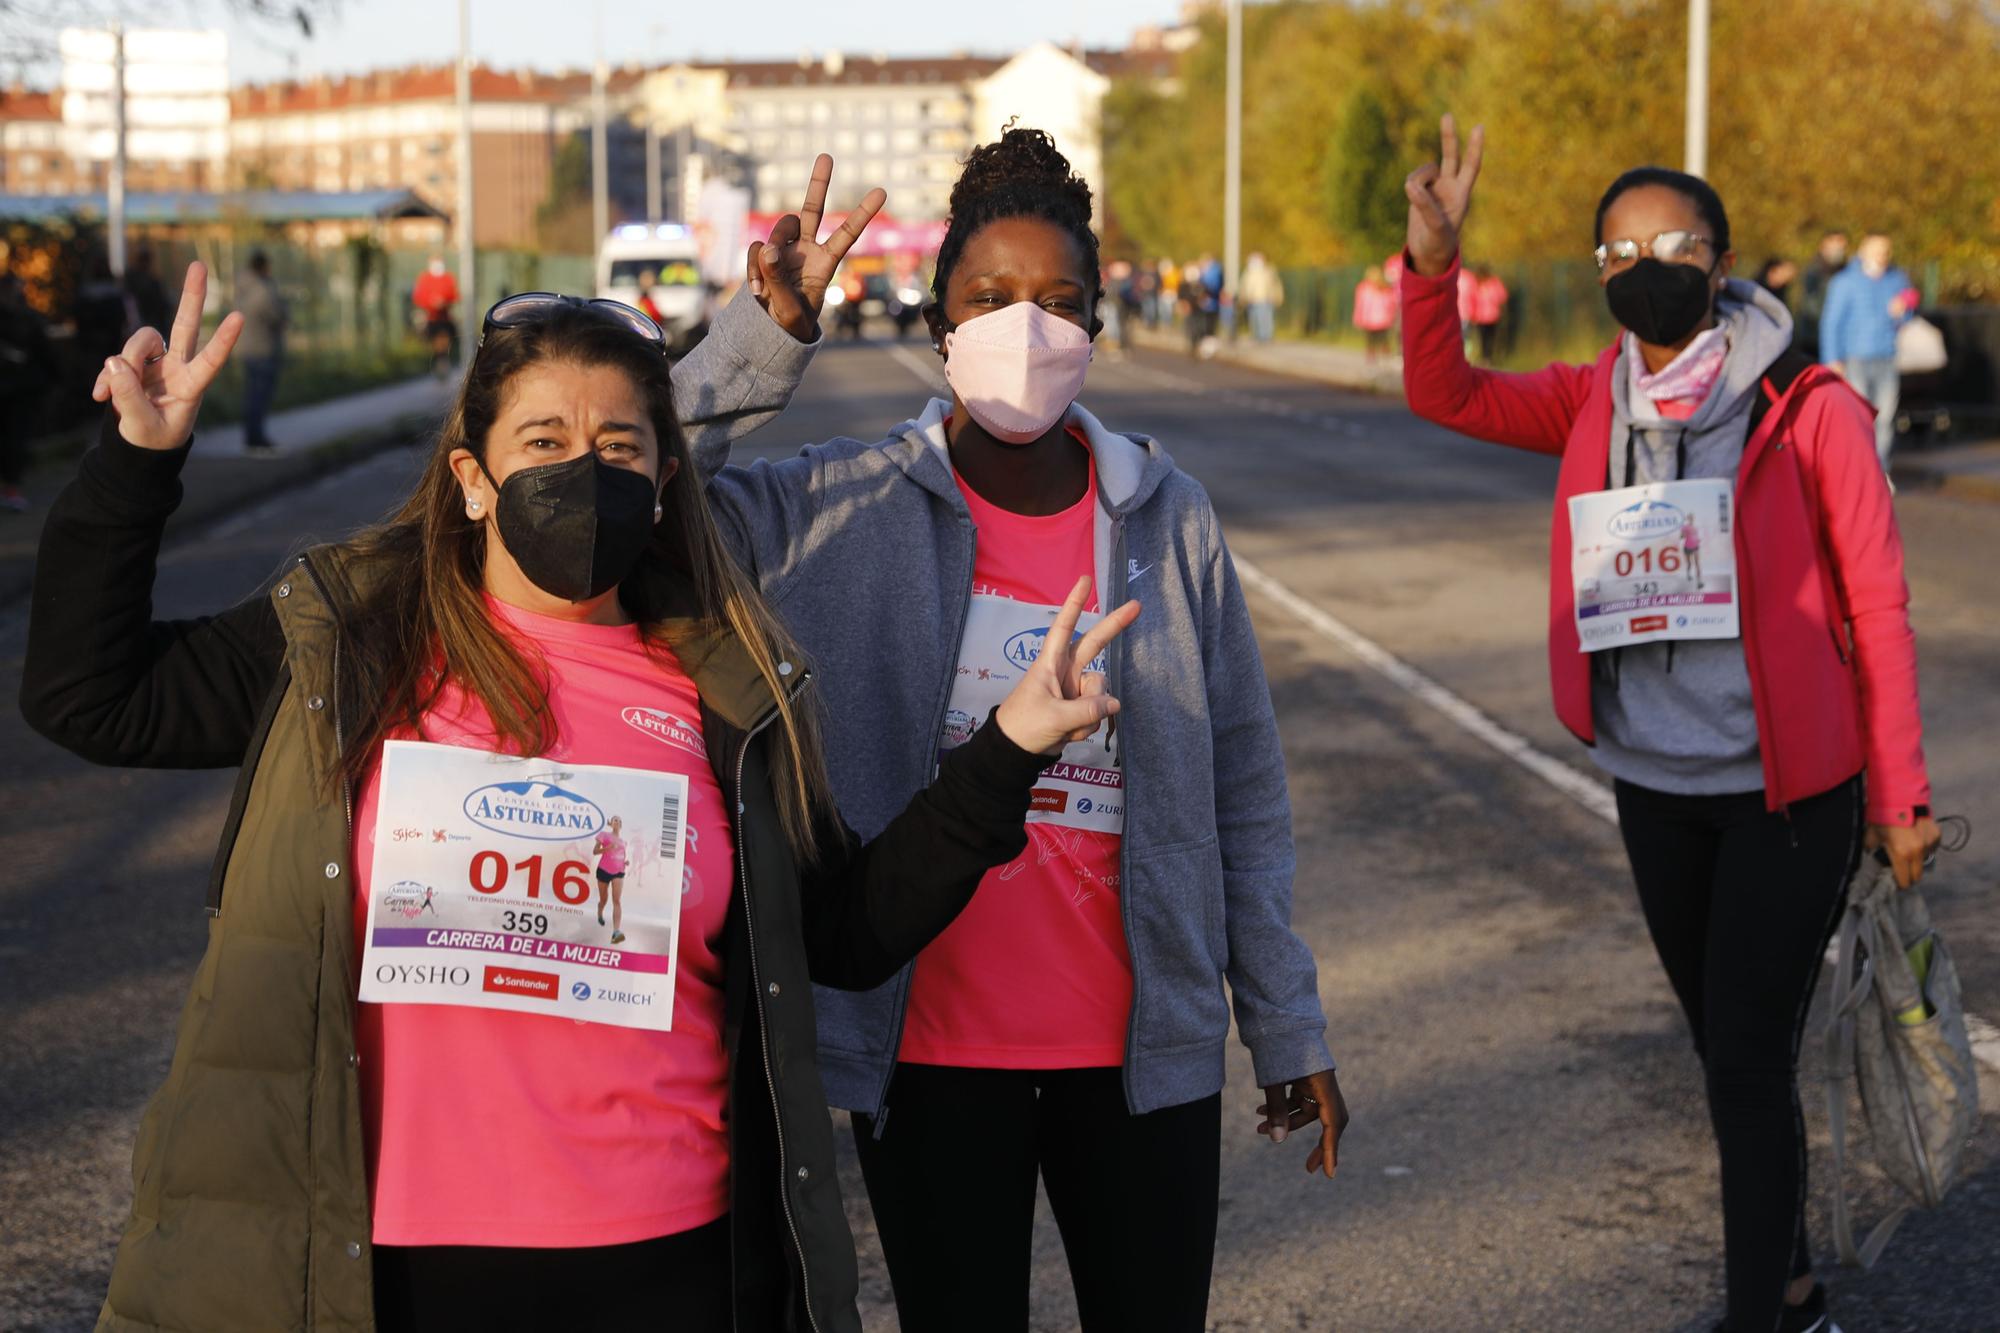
{"x":1586,"y":791}
{"x":926,"y":371}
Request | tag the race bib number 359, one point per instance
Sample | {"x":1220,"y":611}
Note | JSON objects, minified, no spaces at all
{"x":1654,"y":562}
{"x":493,"y":878}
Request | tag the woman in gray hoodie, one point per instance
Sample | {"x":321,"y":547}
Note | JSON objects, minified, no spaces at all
{"x":1071,"y":1024}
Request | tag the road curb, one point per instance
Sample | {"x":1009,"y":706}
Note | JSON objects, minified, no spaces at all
{"x":203,"y":507}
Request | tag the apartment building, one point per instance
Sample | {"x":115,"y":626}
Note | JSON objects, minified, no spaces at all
{"x":902,"y":123}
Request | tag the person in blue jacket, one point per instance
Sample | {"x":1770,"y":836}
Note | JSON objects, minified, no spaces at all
{"x":1866,"y":303}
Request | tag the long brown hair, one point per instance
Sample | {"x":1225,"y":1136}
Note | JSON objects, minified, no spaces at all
{"x":421,"y":619}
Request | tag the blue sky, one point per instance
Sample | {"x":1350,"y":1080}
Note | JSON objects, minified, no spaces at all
{"x":551,"y":34}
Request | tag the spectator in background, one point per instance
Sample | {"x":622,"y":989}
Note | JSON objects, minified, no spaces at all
{"x":261,"y":349}
{"x":1261,"y":293}
{"x":1489,"y":307}
{"x":105,"y":314}
{"x":1865,"y":304}
{"x":1468,"y":301}
{"x":1167,"y":295}
{"x":1831,"y":259}
{"x":148,"y":297}
{"x":27,"y":370}
{"x":1114,"y":278}
{"x":1776,"y":277}
{"x":1375,"y":309}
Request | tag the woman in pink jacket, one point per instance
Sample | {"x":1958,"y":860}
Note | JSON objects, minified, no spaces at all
{"x":1759,"y":719}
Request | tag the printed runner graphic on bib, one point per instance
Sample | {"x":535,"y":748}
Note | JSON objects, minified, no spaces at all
{"x":1003,"y":637}
{"x":485,"y":885}
{"x":1654,"y":562}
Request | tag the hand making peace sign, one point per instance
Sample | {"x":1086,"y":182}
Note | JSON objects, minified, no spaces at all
{"x":789,"y":273}
{"x":156,"y":385}
{"x":1440,"y":195}
{"x":1058,"y":701}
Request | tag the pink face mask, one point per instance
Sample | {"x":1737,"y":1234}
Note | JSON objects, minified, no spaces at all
{"x":1017,"y":370}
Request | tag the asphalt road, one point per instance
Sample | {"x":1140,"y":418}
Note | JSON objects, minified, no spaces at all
{"x":1530,"y":1148}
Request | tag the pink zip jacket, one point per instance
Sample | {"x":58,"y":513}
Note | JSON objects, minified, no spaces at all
{"x":1826,"y":627}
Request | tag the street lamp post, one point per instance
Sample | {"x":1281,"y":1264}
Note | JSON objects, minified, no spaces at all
{"x":600,"y":156}
{"x":1232,"y":178}
{"x":1694,"y":157}
{"x":468,"y":298}
{"x":114,"y":185}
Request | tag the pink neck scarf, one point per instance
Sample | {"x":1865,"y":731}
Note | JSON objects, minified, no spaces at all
{"x":1689,"y":377}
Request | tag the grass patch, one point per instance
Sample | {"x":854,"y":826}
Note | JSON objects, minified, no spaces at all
{"x":310,"y":377}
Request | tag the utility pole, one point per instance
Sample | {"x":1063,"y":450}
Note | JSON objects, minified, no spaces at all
{"x":114,"y":190}
{"x":652,"y":167}
{"x":468,"y":278}
{"x":1694,"y":158}
{"x":600,"y":156}
{"x":1232,"y":167}
{"x":684,"y":154}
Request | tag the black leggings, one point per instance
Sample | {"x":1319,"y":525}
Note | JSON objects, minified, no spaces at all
{"x":952,"y":1182}
{"x":1741,"y":904}
{"x":676,"y":1284}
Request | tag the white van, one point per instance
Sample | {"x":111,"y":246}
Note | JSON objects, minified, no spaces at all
{"x":658,"y":269}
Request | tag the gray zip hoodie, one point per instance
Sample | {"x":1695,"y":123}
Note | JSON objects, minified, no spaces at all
{"x":1686,"y":723}
{"x":866,"y":550}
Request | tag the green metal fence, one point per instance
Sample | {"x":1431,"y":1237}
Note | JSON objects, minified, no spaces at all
{"x":1553,"y":309}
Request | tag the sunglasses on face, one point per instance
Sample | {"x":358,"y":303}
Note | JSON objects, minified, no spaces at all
{"x":1669,"y":247}
{"x":527,"y":308}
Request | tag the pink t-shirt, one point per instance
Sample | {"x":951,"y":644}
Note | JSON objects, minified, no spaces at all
{"x":1034,"y":974}
{"x":610,"y":852}
{"x":486,"y":1127}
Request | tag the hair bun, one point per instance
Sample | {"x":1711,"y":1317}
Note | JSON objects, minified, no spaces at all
{"x":1019,"y":157}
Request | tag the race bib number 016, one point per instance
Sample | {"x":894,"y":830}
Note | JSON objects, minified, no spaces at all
{"x":491,"y":874}
{"x":1654,"y":562}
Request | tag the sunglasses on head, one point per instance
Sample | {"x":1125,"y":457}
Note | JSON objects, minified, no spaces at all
{"x":1669,"y":247}
{"x":528,"y":308}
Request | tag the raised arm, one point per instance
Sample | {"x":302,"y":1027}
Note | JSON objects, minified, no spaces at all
{"x":102,"y":678}
{"x":745,"y":371}
{"x":1532,"y":411}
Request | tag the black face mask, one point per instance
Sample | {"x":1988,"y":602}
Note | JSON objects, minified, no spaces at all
{"x":577,"y":527}
{"x":1661,"y":303}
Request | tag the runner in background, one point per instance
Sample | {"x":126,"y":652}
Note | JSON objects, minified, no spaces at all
{"x":483,"y":622}
{"x":1071,"y":1026}
{"x":1738,"y":757}
{"x":610,"y":851}
{"x":435,"y":296}
{"x":1375,"y":310}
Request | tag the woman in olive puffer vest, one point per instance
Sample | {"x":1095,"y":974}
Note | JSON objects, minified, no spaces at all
{"x":519,"y":588}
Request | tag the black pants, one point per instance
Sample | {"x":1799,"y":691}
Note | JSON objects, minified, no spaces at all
{"x":1741,"y":904}
{"x":675,"y":1284}
{"x":952,"y":1181}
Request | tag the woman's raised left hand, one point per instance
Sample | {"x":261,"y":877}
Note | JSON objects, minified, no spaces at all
{"x":789,"y":272}
{"x":1057,"y":701}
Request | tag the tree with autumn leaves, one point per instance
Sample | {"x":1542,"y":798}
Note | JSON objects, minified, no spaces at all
{"x":1860,"y":114}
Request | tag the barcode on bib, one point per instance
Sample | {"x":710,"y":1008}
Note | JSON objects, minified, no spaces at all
{"x":670,"y":825}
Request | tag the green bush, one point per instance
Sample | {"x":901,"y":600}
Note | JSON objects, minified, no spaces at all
{"x":309,"y":377}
